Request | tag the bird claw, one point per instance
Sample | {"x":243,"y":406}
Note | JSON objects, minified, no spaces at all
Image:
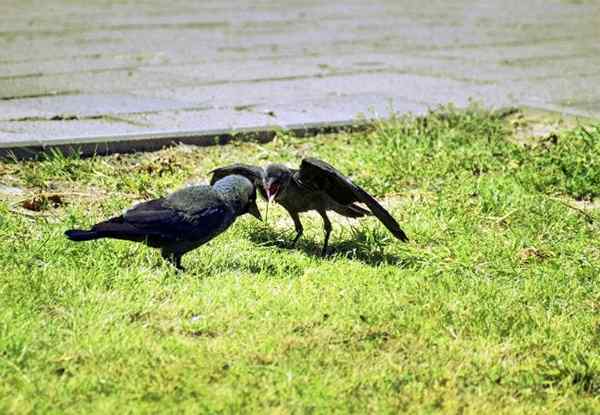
{"x":296,"y":239}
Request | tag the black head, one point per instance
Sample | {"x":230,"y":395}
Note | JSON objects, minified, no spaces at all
{"x":277,"y":177}
{"x":240,"y":192}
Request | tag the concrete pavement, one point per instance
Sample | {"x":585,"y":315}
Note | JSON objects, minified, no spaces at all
{"x":117,"y":75}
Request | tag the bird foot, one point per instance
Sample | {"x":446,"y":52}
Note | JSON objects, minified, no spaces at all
{"x":293,"y":244}
{"x":175,"y":261}
{"x":296,"y":239}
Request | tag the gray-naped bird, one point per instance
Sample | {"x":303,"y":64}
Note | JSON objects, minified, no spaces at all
{"x":181,"y":221}
{"x":318,"y":186}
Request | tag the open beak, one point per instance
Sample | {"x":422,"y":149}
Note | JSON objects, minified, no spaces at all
{"x":253,"y":210}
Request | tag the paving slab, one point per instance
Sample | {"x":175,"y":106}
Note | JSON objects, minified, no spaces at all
{"x":108,"y":75}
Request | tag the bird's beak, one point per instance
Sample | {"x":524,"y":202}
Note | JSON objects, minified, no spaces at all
{"x":272,"y":190}
{"x":270,"y":198}
{"x":253,"y":210}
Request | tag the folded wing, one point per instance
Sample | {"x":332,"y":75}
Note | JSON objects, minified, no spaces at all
{"x":157,"y":224}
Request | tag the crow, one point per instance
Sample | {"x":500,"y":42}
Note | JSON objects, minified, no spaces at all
{"x":317,"y":186}
{"x":181,"y":221}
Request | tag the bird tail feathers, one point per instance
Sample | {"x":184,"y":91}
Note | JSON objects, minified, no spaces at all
{"x":382,"y":214}
{"x":81,"y":235}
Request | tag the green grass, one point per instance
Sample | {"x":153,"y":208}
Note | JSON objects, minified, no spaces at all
{"x":494,"y":305}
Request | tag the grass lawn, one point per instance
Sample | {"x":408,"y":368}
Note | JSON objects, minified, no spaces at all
{"x":493,"y":307}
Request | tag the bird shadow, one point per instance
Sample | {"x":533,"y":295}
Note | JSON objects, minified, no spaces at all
{"x":351,"y":249}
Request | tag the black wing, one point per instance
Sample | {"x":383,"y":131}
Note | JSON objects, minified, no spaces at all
{"x":162,"y":224}
{"x":253,"y":173}
{"x":319,"y":175}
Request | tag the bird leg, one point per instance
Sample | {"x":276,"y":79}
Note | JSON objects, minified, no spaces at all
{"x":178,"y":263}
{"x":298,"y":225}
{"x":327,"y":228}
{"x":174,"y":259}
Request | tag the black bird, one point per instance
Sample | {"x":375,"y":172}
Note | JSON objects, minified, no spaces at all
{"x":318,"y":186}
{"x":182,"y":221}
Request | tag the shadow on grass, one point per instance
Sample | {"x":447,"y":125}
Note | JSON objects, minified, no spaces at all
{"x":353,"y":248}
